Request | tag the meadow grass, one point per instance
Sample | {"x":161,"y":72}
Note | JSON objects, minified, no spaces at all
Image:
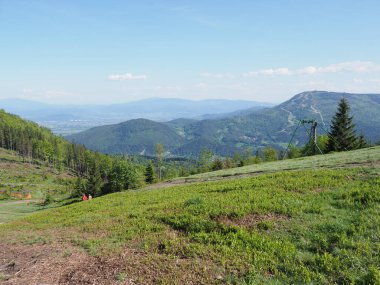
{"x":319,"y":226}
{"x":12,"y":210}
{"x":342,"y":159}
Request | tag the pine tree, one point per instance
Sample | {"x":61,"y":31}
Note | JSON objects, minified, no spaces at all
{"x":94,"y":182}
{"x":217,"y":164}
{"x":149,"y":174}
{"x":361,"y":142}
{"x":79,"y":188}
{"x":342,"y":130}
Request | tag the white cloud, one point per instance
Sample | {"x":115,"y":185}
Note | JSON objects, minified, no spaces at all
{"x":308,"y":70}
{"x":215,"y":75}
{"x":349,"y":66}
{"x":126,"y":76}
{"x":367,"y":81}
{"x":27,"y":90}
{"x":168,"y":88}
{"x":374,"y":80}
{"x":269,"y":72}
{"x":200,"y":85}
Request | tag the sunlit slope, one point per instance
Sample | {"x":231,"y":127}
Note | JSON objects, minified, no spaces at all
{"x":297,"y":226}
{"x":359,"y":157}
{"x":19,"y":179}
{"x":25,"y":186}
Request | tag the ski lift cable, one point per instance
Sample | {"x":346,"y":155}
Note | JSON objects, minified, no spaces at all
{"x":294,"y":133}
{"x":309,"y":133}
{"x":302,"y":122}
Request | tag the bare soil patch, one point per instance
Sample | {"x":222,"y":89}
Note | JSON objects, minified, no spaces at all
{"x":251,"y":220}
{"x":69,"y":265}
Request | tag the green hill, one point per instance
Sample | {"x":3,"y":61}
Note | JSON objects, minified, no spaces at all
{"x":275,"y":126}
{"x":307,"y":226}
{"x":68,"y":119}
{"x":137,"y":136}
{"x":257,"y":128}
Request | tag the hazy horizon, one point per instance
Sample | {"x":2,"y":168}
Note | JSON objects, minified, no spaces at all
{"x":21,"y":99}
{"x":70,"y":52}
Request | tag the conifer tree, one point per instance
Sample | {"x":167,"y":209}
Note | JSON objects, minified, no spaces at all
{"x":217,"y":164}
{"x":94,"y":182}
{"x":149,"y":174}
{"x":361,"y":142}
{"x":79,"y":188}
{"x":342,"y":130}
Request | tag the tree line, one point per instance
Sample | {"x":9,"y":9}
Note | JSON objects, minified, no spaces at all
{"x":97,"y":173}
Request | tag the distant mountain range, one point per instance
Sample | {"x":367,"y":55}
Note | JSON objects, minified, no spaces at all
{"x":67,"y":119}
{"x":248,"y":128}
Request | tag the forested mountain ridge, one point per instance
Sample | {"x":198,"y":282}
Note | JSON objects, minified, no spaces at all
{"x":275,"y":126}
{"x":137,"y":136}
{"x":68,"y":119}
{"x":259,"y":128}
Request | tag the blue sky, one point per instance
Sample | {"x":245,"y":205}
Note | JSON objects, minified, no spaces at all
{"x":117,"y":51}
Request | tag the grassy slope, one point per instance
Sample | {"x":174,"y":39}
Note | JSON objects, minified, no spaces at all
{"x":19,"y":177}
{"x":297,"y":226}
{"x":12,"y":210}
{"x":342,"y":159}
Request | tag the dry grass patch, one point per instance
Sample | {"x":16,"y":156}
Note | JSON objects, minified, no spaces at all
{"x":252,"y":220}
{"x":53,"y":264}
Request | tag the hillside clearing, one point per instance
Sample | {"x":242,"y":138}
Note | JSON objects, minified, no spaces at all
{"x":303,"y":226}
{"x":20,"y":179}
{"x":12,"y":210}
